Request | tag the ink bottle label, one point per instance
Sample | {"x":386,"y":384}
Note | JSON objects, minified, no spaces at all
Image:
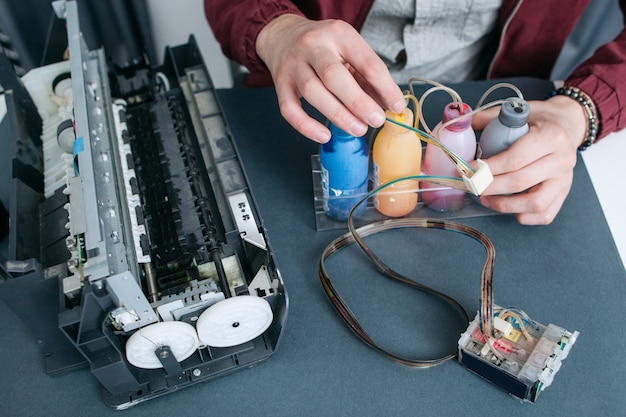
{"x":325,"y":188}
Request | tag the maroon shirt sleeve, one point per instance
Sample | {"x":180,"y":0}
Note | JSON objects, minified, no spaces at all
{"x":603,"y":76}
{"x":531,"y":43}
{"x":237,"y":23}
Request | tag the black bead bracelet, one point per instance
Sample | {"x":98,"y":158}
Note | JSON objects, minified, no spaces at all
{"x":593,"y":126}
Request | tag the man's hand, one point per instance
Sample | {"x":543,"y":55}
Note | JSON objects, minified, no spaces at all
{"x":332,"y":67}
{"x":534,"y":176}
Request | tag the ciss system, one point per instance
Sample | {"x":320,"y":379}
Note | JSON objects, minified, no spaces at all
{"x":133,"y":222}
{"x":135,"y":237}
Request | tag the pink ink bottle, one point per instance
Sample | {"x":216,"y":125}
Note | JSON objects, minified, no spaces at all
{"x":460,"y":138}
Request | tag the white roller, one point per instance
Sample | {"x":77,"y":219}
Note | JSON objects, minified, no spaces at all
{"x":234,"y":321}
{"x":181,"y":338}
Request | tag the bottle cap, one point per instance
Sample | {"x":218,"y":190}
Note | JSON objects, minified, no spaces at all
{"x":340,"y":134}
{"x":406,"y":118}
{"x":514,"y":113}
{"x":454,"y":110}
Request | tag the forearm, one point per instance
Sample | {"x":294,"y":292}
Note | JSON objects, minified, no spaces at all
{"x":236,"y":25}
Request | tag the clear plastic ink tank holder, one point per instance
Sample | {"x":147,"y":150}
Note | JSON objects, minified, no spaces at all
{"x":468,"y":206}
{"x":471,"y":207}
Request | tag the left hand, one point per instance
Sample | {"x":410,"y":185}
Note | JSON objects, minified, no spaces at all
{"x":534,"y":176}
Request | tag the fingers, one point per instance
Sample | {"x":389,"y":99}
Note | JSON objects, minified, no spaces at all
{"x":306,"y":85}
{"x":514,"y":172}
{"x":533,"y":177}
{"x":292,"y":111}
{"x":373,"y":74}
{"x":337,"y":94}
{"x":538,"y":206}
{"x":331,"y":66}
{"x":542,"y":153}
{"x":348,"y":73}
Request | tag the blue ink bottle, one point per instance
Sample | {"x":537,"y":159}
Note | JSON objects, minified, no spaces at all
{"x":345,"y":170}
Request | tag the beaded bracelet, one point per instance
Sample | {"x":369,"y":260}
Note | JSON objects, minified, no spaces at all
{"x":593,"y":127}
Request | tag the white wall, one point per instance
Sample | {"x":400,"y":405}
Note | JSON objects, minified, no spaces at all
{"x":174,"y":21}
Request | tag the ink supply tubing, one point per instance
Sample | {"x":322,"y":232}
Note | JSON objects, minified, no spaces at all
{"x":505,"y":129}
{"x":397,"y":153}
{"x":461,"y":139}
{"x":345,"y":169}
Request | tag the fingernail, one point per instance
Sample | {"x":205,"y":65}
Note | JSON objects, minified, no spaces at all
{"x":376,"y":119}
{"x":399,"y":106}
{"x":485,"y":202}
{"x":358,"y":128}
{"x":322,"y":136}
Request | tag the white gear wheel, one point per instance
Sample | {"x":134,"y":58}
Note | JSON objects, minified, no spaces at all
{"x":181,"y":338}
{"x":234,"y":321}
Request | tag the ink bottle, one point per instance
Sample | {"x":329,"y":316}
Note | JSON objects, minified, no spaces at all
{"x":461,"y":139}
{"x":505,"y":129}
{"x":344,"y":163}
{"x":397,"y":153}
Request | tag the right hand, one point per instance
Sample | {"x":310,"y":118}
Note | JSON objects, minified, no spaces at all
{"x":332,"y":67}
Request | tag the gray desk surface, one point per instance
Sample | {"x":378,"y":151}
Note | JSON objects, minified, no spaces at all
{"x":568,"y":273}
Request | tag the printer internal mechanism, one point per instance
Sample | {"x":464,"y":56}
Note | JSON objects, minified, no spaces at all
{"x":165,"y":274}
